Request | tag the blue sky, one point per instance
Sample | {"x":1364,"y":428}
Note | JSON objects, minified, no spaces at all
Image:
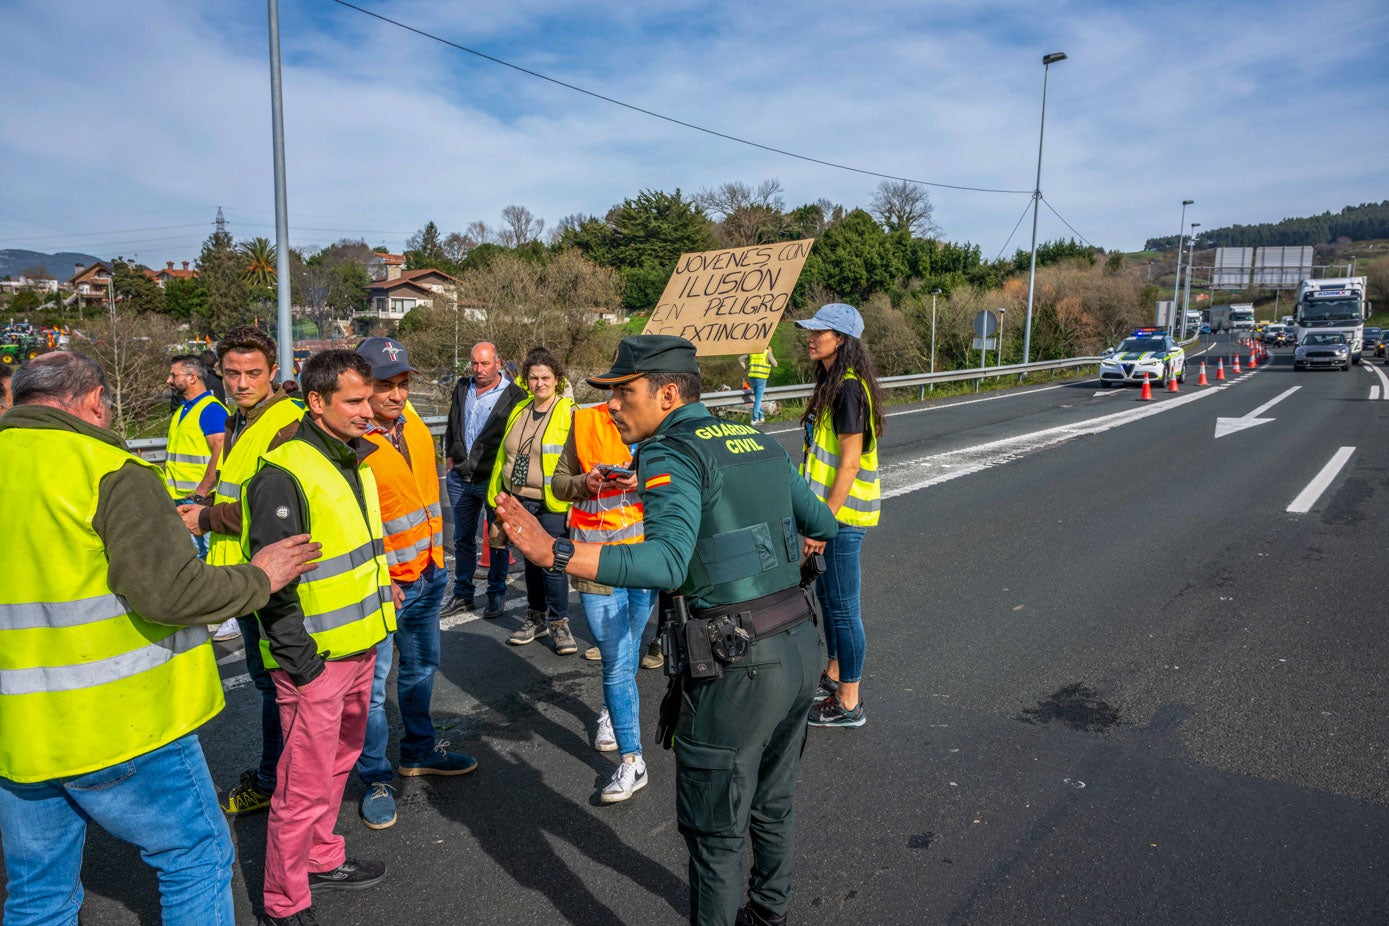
{"x":134,"y":120}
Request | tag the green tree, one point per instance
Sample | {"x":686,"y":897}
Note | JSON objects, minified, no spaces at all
{"x":219,"y":270}
{"x":258,"y":263}
{"x":185,"y":300}
{"x":133,"y":287}
{"x":347,"y":289}
{"x":24,"y":301}
{"x":425,"y":250}
{"x":648,"y":235}
{"x":854,"y":258}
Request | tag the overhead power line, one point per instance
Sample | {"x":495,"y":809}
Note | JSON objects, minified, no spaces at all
{"x":655,"y":115}
{"x":1067,"y":224}
{"x":1013,"y":232}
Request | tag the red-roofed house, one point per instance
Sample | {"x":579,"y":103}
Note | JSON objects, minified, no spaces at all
{"x":169,"y":273}
{"x":91,"y":286}
{"x":394,"y":296}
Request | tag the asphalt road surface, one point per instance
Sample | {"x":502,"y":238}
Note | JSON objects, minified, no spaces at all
{"x":1126,"y":665}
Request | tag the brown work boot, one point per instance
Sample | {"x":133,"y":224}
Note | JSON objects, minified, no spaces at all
{"x":563,"y":639}
{"x":534,"y":628}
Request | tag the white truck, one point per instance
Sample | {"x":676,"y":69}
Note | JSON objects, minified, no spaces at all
{"x":1193,"y":322}
{"x":1236,"y":317}
{"x":1333,"y":304}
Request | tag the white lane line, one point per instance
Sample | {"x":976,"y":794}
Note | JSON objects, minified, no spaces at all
{"x":1009,"y":394}
{"x":1376,"y":392}
{"x":1308,"y":496}
{"x":232,"y":657}
{"x":925,"y":472}
{"x":235,"y":682}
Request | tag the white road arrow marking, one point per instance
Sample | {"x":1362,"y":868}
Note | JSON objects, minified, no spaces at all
{"x":1225,"y":426}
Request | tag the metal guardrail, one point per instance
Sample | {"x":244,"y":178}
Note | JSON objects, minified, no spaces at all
{"x":152,"y":448}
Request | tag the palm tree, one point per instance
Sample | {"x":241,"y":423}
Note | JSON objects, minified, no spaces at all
{"x":258,"y":262}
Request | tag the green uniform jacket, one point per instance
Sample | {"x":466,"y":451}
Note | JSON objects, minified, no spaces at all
{"x":677,"y":491}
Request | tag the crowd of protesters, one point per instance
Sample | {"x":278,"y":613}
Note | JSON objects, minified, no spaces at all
{"x":316,"y":521}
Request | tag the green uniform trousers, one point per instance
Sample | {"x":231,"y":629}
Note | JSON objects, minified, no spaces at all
{"x":738,"y":747}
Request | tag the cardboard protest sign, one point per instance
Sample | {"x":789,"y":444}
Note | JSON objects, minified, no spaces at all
{"x":729,"y":302}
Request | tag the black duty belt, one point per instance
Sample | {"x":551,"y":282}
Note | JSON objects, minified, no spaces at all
{"x":762,"y":617}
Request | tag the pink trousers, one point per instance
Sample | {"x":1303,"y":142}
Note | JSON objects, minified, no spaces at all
{"x":324,"y":725}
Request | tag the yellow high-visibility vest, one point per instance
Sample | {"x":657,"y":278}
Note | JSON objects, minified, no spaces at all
{"x":187,"y":452}
{"x":237,"y":468}
{"x":85,"y":682}
{"x":551,"y":446}
{"x":864,"y":503}
{"x":346,"y":600}
{"x":758,"y":367}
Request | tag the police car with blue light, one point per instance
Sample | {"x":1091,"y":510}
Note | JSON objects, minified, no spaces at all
{"x":1147,"y":353}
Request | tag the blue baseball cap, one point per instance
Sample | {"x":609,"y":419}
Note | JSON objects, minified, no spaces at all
{"x":835,"y":316}
{"x":386,"y":356}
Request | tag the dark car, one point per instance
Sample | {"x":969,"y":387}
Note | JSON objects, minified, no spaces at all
{"x":1374,"y":340}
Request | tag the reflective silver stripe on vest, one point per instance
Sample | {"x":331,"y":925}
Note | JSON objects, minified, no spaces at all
{"x":610,"y":535}
{"x":183,"y":485}
{"x":434,"y":510}
{"x":552,"y":449}
{"x":101,"y":671}
{"x":229,"y":490}
{"x":188,"y":458}
{"x":819,"y":489}
{"x":406,"y":522}
{"x":61,"y":613}
{"x":858,"y":504}
{"x":832,"y":460}
{"x":345,"y":562}
{"x":407,"y":554}
{"x":341,"y":617}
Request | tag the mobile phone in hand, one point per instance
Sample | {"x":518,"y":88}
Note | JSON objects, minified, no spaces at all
{"x":615,"y":472}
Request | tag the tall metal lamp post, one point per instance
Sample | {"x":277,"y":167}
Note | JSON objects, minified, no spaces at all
{"x":1047,"y":62}
{"x":1190,"y":259}
{"x":1181,"y":243}
{"x":277,"y":124}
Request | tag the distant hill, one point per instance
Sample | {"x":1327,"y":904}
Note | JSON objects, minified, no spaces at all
{"x":1358,"y":223}
{"x":60,"y":266}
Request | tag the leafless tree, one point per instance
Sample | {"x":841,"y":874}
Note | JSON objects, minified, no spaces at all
{"x":478,"y":233}
{"x":519,"y":227}
{"x":903,"y":205}
{"x":745,"y":215}
{"x":133,"y":349}
{"x":456,"y":246}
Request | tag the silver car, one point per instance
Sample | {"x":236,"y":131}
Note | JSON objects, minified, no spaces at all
{"x":1322,"y":349}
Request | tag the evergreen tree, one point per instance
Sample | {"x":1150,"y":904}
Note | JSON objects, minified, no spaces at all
{"x":185,"y":300}
{"x":133,"y":287}
{"x":219,"y":270}
{"x":425,"y":251}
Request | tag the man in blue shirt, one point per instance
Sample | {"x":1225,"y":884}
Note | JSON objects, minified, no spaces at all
{"x":476,"y":425}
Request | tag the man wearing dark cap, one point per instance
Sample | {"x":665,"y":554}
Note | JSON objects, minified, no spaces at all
{"x":407,"y":483}
{"x":723,"y":508}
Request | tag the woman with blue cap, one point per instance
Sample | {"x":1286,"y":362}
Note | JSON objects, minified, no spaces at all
{"x":843,"y":422}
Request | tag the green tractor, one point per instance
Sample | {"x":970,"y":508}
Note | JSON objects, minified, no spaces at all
{"x":17,"y":349}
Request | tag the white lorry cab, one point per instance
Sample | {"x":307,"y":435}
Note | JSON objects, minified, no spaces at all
{"x":1236,"y":317}
{"x":1333,"y":304}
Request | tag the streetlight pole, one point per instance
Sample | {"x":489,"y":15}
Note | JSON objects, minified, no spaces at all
{"x":1190,"y":259}
{"x":277,"y":116}
{"x":934,"y":294}
{"x":1181,"y":243}
{"x":1047,"y":62}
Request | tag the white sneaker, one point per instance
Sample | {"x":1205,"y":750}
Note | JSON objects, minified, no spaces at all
{"x":229,"y":630}
{"x":629,"y":778}
{"x":605,"y":740}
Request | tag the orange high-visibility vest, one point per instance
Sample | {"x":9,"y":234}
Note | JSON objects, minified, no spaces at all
{"x":614,"y":516}
{"x":412,"y":520}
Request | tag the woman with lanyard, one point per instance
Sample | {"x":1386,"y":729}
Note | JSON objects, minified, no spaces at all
{"x":535,"y":434}
{"x":843,"y":423}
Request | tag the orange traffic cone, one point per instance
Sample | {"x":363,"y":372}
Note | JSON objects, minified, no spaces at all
{"x":1203,"y":381}
{"x":1253,"y":358}
{"x":1147,"y":394}
{"x":1220,"y":369}
{"x":1235,"y":368}
{"x":1172,"y":383}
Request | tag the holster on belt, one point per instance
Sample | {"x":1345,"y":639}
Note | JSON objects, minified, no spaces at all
{"x":762,"y":617}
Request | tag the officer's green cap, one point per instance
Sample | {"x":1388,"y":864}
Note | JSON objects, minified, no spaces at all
{"x":648,"y":353}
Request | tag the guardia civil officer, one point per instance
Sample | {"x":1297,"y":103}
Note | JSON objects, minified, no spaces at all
{"x":723,"y":508}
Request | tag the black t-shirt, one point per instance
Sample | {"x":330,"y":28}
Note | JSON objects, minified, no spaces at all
{"x":850,"y":414}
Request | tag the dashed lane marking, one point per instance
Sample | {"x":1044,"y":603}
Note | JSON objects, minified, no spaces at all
{"x":1308,"y":496}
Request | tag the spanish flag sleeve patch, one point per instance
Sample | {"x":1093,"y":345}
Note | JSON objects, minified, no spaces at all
{"x":661,"y":480}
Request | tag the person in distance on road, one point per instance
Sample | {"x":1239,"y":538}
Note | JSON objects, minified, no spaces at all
{"x":843,"y":422}
{"x":5,"y":375}
{"x":107,"y":673}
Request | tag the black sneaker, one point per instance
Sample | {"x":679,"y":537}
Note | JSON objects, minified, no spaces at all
{"x":457,"y":605}
{"x":754,"y":914}
{"x":829,"y":713}
{"x":496,"y":605}
{"x":351,"y":875}
{"x":827,"y":687}
{"x":304,"y":917}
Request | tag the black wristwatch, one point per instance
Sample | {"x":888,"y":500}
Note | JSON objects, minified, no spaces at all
{"x":563,"y":550}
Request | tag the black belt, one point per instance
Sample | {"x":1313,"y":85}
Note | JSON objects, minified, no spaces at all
{"x":762,"y":617}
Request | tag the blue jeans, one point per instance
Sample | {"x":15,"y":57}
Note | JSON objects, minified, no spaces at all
{"x":617,"y":622}
{"x":163,"y":802}
{"x":469,"y":499}
{"x":759,"y":386}
{"x":272,"y":741}
{"x":546,"y":592}
{"x":838,"y":591}
{"x":417,"y":638}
